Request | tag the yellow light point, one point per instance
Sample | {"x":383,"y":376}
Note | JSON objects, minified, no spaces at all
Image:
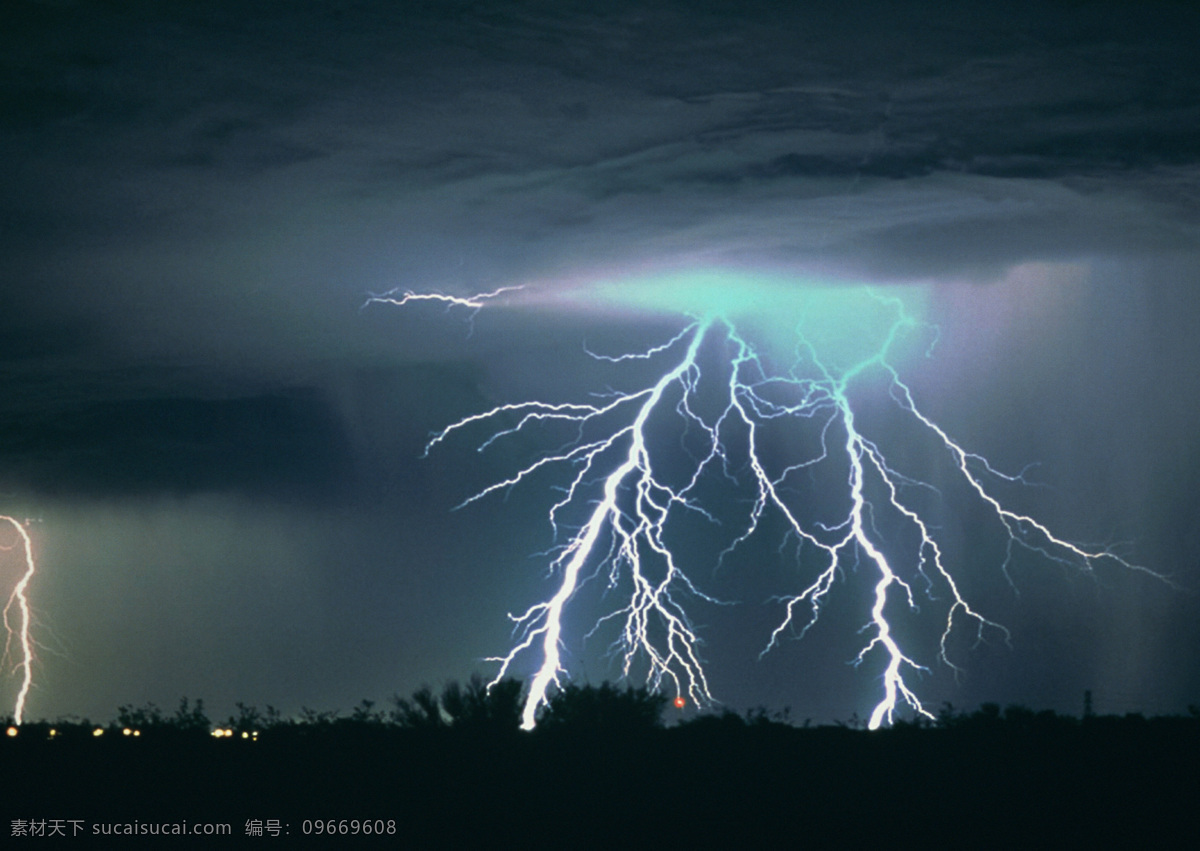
{"x":98,"y":732}
{"x":137,"y":733}
{"x":245,"y":735}
{"x":127,"y":732}
{"x":11,"y":731}
{"x":18,"y":600}
{"x":53,"y":732}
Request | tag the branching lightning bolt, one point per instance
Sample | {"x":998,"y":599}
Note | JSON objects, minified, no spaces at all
{"x":627,"y":504}
{"x":17,"y":609}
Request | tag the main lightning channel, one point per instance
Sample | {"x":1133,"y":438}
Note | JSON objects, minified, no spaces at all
{"x":651,"y":600}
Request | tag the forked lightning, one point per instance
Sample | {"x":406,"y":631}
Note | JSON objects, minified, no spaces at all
{"x":619,"y":499}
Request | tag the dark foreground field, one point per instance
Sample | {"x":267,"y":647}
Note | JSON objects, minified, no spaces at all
{"x":984,"y":780}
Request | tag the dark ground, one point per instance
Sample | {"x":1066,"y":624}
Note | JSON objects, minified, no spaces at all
{"x":1016,"y":779}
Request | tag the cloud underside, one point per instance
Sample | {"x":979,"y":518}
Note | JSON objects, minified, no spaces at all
{"x":533,"y":136}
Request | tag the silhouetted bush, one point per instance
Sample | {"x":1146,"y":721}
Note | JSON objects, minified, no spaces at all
{"x":476,"y":707}
{"x":145,"y":717}
{"x":479,"y":707}
{"x":189,"y":719}
{"x":249,"y":719}
{"x":419,"y":712}
{"x":603,"y":708}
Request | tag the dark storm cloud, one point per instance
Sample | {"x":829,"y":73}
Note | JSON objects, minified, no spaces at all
{"x":280,"y":447}
{"x":214,"y":187}
{"x":561,"y":129}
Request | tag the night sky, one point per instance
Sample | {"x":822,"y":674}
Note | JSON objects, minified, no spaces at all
{"x":218,"y":442}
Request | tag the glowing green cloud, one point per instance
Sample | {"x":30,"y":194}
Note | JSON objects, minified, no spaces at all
{"x":844,"y":323}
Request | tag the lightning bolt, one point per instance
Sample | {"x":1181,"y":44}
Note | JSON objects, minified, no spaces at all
{"x":18,"y":600}
{"x":477,"y":302}
{"x":625,"y":498}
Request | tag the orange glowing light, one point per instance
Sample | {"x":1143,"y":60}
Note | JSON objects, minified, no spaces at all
{"x":680,"y":703}
{"x":11,"y":731}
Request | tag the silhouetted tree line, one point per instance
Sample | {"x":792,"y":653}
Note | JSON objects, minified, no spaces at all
{"x":482,"y":709}
{"x":476,"y":708}
{"x":453,"y":768}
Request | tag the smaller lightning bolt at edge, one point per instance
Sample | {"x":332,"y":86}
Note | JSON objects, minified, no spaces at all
{"x":19,"y":600}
